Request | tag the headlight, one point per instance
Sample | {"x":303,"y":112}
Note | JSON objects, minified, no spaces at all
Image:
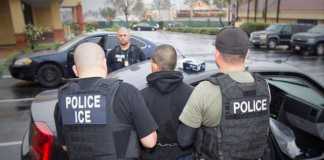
{"x":23,"y":62}
{"x":311,"y":40}
{"x":263,"y":36}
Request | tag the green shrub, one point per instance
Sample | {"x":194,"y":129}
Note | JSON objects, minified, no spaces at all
{"x":34,"y":34}
{"x":202,"y":30}
{"x":252,"y":26}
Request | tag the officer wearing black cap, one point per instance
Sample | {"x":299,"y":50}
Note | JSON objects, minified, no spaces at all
{"x":227,"y":116}
{"x":98,"y":118}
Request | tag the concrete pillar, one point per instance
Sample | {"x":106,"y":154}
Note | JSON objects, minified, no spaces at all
{"x":79,"y":17}
{"x":58,"y":31}
{"x":6,"y":28}
{"x":18,"y":22}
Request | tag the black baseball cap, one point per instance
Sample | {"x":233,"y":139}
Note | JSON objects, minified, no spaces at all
{"x":232,"y":40}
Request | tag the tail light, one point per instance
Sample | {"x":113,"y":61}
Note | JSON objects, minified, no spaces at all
{"x":42,"y":141}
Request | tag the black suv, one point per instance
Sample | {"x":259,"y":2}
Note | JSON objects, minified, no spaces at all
{"x":277,"y":34}
{"x":309,"y":42}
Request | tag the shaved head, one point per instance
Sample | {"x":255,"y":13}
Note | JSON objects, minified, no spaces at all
{"x":89,"y":58}
{"x":165,"y":57}
{"x":123,"y":30}
{"x":123,"y":36}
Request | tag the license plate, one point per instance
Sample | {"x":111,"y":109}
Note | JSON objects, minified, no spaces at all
{"x":297,"y":47}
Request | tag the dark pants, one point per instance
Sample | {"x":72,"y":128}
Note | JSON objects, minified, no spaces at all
{"x":167,"y":153}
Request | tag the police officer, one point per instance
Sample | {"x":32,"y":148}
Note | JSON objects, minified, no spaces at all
{"x":165,"y":97}
{"x":98,"y":118}
{"x":125,"y":53}
{"x":227,"y":117}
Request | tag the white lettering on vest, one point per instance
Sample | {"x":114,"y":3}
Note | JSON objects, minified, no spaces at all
{"x":83,"y":102}
{"x":82,"y":116}
{"x":249,"y":106}
{"x":67,"y":102}
{"x":97,"y":101}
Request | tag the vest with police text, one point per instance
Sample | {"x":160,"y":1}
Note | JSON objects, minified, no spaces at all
{"x":243,"y":130}
{"x":90,"y":126}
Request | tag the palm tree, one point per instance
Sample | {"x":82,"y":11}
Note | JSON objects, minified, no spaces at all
{"x":278,"y":10}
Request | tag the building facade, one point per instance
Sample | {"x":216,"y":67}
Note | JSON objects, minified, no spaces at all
{"x":281,"y":11}
{"x":16,"y":14}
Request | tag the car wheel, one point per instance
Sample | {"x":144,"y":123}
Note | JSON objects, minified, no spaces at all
{"x":49,"y":75}
{"x":153,"y":29}
{"x":256,"y":46}
{"x":272,"y":44}
{"x":320,"y":49}
{"x":138,"y":29}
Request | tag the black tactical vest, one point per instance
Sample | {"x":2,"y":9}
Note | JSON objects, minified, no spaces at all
{"x":90,"y":124}
{"x":243,"y":131}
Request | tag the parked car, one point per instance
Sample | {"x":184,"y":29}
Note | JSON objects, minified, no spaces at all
{"x":297,"y":110}
{"x":49,"y":67}
{"x":309,"y":42}
{"x":145,"y":27}
{"x":277,"y":34}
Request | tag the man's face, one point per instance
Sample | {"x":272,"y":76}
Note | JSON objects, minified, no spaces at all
{"x":123,"y":38}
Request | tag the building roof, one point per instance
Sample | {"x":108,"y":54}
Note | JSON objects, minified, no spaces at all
{"x":285,"y":5}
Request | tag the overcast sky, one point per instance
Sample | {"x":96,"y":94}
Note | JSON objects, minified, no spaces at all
{"x":96,"y":4}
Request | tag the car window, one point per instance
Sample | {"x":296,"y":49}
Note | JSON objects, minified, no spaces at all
{"x":94,"y":40}
{"x":317,"y":29}
{"x":111,"y":42}
{"x":274,"y":28}
{"x":137,"y":42}
{"x":299,"y":88}
{"x":71,"y":43}
{"x":286,"y":29}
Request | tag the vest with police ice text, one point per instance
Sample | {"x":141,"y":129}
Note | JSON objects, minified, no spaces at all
{"x":90,"y":124}
{"x":243,"y":130}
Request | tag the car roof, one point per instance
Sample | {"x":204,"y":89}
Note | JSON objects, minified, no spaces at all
{"x":131,"y":74}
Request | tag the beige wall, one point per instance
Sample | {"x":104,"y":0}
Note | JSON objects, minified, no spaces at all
{"x":17,"y":16}
{"x":48,"y":16}
{"x":42,"y":17}
{"x":70,"y":3}
{"x":6,"y":28}
{"x":55,"y":12}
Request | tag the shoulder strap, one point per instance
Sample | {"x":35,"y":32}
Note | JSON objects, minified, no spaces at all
{"x":214,"y":78}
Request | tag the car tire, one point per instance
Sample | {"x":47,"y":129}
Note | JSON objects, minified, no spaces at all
{"x":320,"y":49}
{"x":256,"y":46}
{"x":153,"y":29}
{"x":138,"y":29}
{"x":49,"y":75}
{"x":272,"y":44}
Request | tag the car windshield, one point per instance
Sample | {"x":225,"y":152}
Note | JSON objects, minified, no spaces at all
{"x":298,"y":88}
{"x":71,"y":42}
{"x":276,"y":27}
{"x":317,"y":29}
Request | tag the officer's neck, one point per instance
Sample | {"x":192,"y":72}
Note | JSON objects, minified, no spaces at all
{"x":228,"y":69}
{"x":91,"y":75}
{"x":125,"y":47}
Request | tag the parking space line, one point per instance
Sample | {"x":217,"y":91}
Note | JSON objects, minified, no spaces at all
{"x":16,"y":100}
{"x":6,"y":76}
{"x":13,"y":143}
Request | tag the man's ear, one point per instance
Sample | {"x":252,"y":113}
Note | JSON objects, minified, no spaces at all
{"x":104,"y":64}
{"x":154,"y":67}
{"x":75,"y":70}
{"x":218,"y":57}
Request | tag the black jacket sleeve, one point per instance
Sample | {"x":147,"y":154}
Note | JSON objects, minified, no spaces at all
{"x":110,"y":59}
{"x":58,"y":124}
{"x":186,"y":135}
{"x":140,"y":53}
